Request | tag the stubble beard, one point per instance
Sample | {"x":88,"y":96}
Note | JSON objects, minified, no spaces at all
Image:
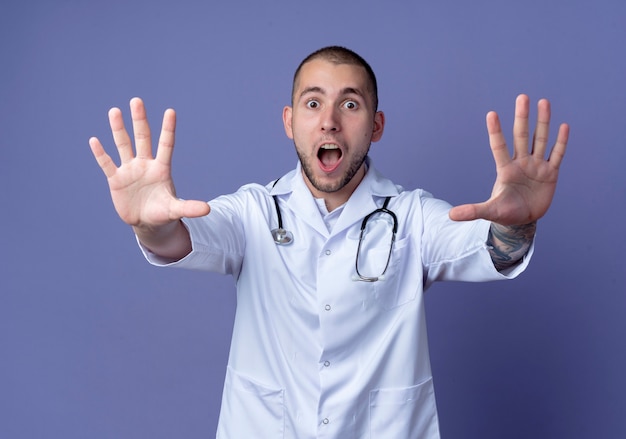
{"x":330,"y":187}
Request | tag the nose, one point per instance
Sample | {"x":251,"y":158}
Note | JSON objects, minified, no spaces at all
{"x":330,"y":120}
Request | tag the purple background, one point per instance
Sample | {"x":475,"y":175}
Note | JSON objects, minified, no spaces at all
{"x":95,"y":343}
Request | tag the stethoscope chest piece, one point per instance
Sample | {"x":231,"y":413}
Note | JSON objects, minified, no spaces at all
{"x":282,"y":236}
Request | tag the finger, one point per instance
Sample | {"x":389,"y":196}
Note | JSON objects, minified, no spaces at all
{"x":120,"y":135}
{"x":558,"y":152}
{"x":167,"y":138}
{"x":542,"y":130}
{"x":496,"y":140}
{"x":104,"y":160}
{"x":520,"y":127}
{"x":141,"y":129}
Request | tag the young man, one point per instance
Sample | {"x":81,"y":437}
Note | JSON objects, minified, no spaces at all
{"x":332,"y":259}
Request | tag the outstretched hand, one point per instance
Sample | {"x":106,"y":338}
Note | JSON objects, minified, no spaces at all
{"x":141,"y":187}
{"x":525,"y":182}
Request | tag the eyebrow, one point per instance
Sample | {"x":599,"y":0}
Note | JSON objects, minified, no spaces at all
{"x":344,"y":91}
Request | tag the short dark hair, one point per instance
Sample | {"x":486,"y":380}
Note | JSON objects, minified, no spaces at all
{"x":340,"y":55}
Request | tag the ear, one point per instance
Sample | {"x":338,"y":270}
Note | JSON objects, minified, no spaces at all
{"x":379,"y":126}
{"x":287,"y":118}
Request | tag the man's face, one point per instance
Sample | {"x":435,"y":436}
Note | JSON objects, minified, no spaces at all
{"x":332,"y":123}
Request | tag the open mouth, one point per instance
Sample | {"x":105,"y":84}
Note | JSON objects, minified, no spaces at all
{"x":329,"y":156}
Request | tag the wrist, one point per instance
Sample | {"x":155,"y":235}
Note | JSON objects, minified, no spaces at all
{"x":507,"y":245}
{"x":169,"y":240}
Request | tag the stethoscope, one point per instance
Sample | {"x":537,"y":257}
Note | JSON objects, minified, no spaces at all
{"x":285,"y":237}
{"x":280,"y":235}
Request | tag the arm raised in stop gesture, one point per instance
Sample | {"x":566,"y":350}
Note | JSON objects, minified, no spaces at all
{"x":525,"y":183}
{"x":142,"y":189}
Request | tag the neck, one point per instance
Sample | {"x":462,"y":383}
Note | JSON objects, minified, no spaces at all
{"x":336,"y":198}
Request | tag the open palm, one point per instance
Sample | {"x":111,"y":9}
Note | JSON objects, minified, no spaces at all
{"x":142,"y":189}
{"x":525,"y":182}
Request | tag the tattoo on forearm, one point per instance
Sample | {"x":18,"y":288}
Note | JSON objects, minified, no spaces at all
{"x":508,"y":244}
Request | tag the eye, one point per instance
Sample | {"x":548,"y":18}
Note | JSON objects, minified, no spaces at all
{"x":312,"y":104}
{"x":350,"y":105}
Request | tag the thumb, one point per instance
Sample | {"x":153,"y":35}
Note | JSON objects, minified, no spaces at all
{"x":189,"y":208}
{"x":467,"y":212}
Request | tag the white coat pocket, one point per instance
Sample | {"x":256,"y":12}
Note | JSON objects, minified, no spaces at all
{"x":408,"y":413}
{"x":402,"y":278}
{"x":402,"y":272}
{"x":250,"y":409}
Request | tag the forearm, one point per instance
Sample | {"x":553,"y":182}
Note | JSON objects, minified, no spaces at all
{"x":508,"y":244}
{"x":171,"y":241}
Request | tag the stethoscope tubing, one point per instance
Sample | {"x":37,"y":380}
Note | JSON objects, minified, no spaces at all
{"x":285,"y":237}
